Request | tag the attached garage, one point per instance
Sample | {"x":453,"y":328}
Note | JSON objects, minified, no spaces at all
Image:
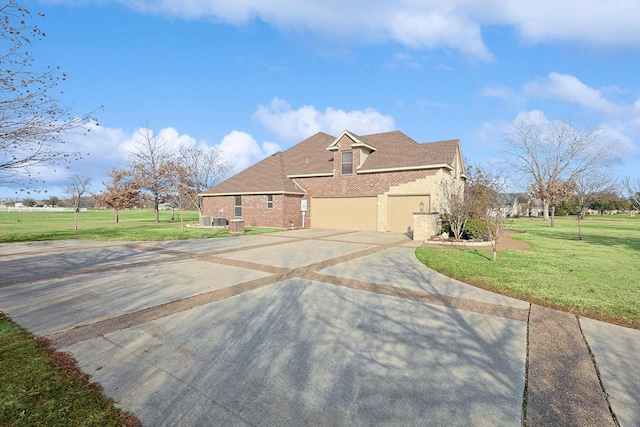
{"x":400,"y":211}
{"x":345,"y":213}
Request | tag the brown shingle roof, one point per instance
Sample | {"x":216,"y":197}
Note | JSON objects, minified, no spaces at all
{"x":267,"y":176}
{"x":397,"y":150}
{"x":311,"y":157}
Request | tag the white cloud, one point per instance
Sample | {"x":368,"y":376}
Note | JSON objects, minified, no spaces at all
{"x":106,"y":148}
{"x":295,"y":125}
{"x":570,"y":89}
{"x":241,"y":149}
{"x":602,"y":24}
{"x":504,"y":93}
{"x":401,"y":59}
{"x":454,"y":24}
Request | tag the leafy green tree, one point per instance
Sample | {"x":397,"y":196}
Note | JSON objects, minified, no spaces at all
{"x":52,"y":201}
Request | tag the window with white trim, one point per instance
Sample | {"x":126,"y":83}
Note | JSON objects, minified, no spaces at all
{"x":269,"y":201}
{"x":347,"y":162}
{"x":237,"y":206}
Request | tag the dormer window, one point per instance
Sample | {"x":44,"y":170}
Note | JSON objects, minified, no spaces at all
{"x":347,"y":162}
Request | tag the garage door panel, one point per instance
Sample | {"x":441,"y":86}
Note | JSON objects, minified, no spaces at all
{"x":345,"y":213}
{"x":400,"y":211}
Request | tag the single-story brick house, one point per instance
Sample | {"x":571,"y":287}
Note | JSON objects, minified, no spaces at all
{"x":369,"y":182}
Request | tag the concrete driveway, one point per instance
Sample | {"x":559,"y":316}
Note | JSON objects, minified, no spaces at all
{"x":312,"y":327}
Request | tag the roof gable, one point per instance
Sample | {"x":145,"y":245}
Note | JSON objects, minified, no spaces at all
{"x":357,"y":142}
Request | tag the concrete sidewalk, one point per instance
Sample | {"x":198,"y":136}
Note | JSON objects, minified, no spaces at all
{"x":317,"y":327}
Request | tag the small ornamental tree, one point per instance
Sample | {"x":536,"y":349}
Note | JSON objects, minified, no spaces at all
{"x":121,"y":193}
{"x":77,"y":188}
{"x":482,"y":194}
{"x":588,"y":188}
{"x":454,"y":206}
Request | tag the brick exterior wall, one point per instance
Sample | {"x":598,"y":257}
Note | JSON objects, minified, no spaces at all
{"x":286,"y":208}
{"x":254,"y":209}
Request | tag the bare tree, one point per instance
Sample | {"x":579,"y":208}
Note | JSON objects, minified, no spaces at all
{"x":202,"y":168}
{"x":632,"y":188}
{"x":556,"y":192}
{"x":121,"y":193}
{"x":79,"y":185}
{"x":453,"y":206}
{"x":482,"y":195}
{"x":551,"y":154}
{"x":151,"y":166}
{"x":179,"y":193}
{"x":588,"y":188}
{"x":33,"y":124}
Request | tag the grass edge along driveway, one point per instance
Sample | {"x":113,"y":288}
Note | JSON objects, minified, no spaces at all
{"x":40,"y":386}
{"x":597,"y":277}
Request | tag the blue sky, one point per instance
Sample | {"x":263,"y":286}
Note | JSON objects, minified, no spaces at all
{"x":253,"y":77}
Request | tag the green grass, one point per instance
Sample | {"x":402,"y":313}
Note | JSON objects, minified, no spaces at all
{"x":101,"y":225}
{"x":598,"y":276}
{"x":39,"y":387}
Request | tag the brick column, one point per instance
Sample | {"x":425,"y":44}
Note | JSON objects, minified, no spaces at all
{"x":236,"y":226}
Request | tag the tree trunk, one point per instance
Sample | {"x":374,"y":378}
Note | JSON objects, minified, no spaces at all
{"x":494,"y":246}
{"x":545,"y":210}
{"x":553,"y":216}
{"x":579,"y":227}
{"x":75,"y":220}
{"x":156,"y":207}
{"x":117,"y":216}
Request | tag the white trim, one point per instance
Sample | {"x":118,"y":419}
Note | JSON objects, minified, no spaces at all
{"x":333,"y":145}
{"x":309,"y":175}
{"x":406,"y":168}
{"x":298,"y":185}
{"x":252,"y":193}
{"x":362,"y":144}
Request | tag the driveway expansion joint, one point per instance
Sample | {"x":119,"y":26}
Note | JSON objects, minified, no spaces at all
{"x":99,"y":328}
{"x":563,"y":387}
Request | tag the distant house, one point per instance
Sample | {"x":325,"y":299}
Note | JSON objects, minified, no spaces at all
{"x":358,"y":182}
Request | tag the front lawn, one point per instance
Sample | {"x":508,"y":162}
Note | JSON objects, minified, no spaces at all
{"x":100,"y":225}
{"x":598,"y":276}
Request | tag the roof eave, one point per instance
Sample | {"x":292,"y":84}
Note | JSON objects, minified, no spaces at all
{"x":406,"y":168}
{"x":250,"y":193}
{"x":310,"y":175}
{"x":365,"y":145}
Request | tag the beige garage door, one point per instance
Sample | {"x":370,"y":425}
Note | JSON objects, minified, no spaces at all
{"x":345,"y":213}
{"x":400,"y":211}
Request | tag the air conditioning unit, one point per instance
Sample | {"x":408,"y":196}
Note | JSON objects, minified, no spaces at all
{"x":219,"y":222}
{"x":205,"y":221}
